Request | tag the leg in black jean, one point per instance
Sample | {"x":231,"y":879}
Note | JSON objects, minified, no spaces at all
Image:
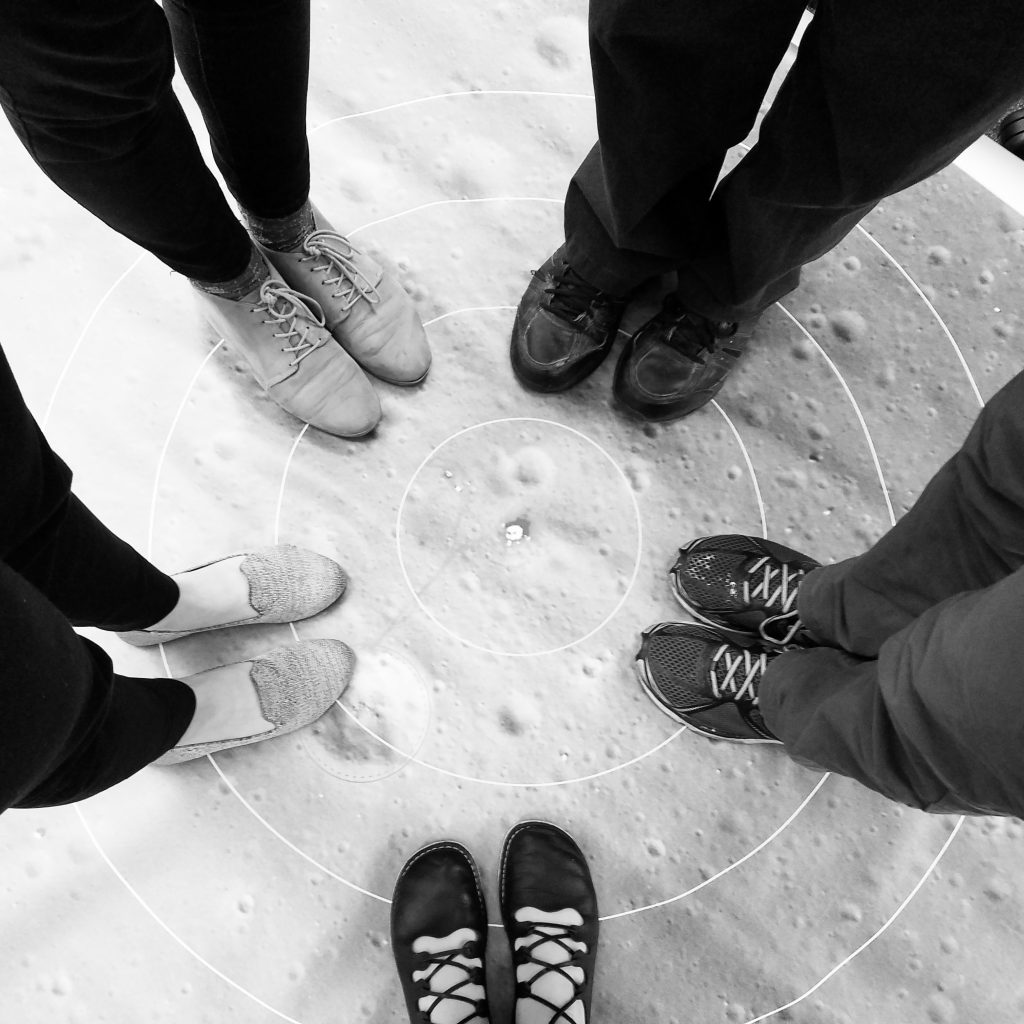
{"x":69,"y":727}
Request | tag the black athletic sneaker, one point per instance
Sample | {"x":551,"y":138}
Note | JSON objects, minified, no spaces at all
{"x":702,"y":678}
{"x":545,"y":881}
{"x":743,"y":585}
{"x":564,"y":327}
{"x":677,"y":362}
{"x":439,"y":935}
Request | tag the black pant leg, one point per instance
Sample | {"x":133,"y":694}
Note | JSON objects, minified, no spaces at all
{"x":881,"y":96}
{"x":50,"y":538}
{"x":247,"y":64}
{"x":87,"y":88}
{"x":677,"y":83}
{"x":70,"y":728}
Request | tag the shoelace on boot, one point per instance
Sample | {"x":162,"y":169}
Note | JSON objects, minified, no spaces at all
{"x":556,"y":934}
{"x":776,"y":588}
{"x":692,"y":335}
{"x":571,"y":295}
{"x":736,"y":662}
{"x":290,"y":308}
{"x":339,"y":255}
{"x":432,"y":963}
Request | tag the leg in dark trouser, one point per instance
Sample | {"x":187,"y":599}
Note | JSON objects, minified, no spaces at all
{"x":828,"y":151}
{"x":53,"y":541}
{"x":69,"y":727}
{"x":88,"y":90}
{"x":247,"y":64}
{"x":676,"y":84}
{"x":965,"y":532}
{"x":935,"y":722}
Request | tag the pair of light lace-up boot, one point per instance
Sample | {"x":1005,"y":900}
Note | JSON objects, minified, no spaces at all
{"x":327,"y":313}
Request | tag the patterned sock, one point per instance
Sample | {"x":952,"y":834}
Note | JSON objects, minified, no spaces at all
{"x":256,"y":272}
{"x":282,"y":234}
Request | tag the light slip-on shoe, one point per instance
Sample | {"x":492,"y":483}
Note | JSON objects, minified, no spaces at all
{"x":286,"y":584}
{"x":365,"y":309}
{"x":295,"y":685}
{"x":281,"y":334}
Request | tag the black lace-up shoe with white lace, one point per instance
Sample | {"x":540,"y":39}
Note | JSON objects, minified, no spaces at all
{"x":439,"y":936}
{"x":705,"y":680}
{"x":677,"y":362}
{"x":549,"y":909}
{"x":564,"y":327}
{"x":743,"y":585}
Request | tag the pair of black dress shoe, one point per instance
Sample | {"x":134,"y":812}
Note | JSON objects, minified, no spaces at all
{"x":672,"y":365}
{"x":549,"y":910}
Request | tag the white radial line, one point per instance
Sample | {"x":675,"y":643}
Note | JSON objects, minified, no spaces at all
{"x":867,"y":942}
{"x":287,"y":842}
{"x":446,"y":95}
{"x":453,"y":202}
{"x":750,"y":466}
{"x":167,"y":444}
{"x":78,"y":342}
{"x":735,"y":864}
{"x":931,"y":309}
{"x":181,"y":942}
{"x":465,"y":309}
{"x":280,"y":493}
{"x":856,"y":409}
{"x":411,"y":759}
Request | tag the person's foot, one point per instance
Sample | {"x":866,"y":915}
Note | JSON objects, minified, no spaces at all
{"x":549,"y":909}
{"x":366,"y":310}
{"x":703,"y":679}
{"x":282,"y":583}
{"x":293,"y":357}
{"x":564,"y":327}
{"x":743,"y":585}
{"x":276,"y":693}
{"x":677,"y":362}
{"x":439,"y":936}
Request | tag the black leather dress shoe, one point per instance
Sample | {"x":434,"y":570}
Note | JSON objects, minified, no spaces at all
{"x":549,"y":909}
{"x":677,"y":362}
{"x":439,"y":934}
{"x":564,"y":327}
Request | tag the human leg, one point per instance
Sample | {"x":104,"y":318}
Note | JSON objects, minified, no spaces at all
{"x":827,"y":150}
{"x":71,"y":727}
{"x":934,"y":722}
{"x":88,"y":91}
{"x":965,"y":532}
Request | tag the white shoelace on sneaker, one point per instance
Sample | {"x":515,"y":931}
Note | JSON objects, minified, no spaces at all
{"x":777,"y":587}
{"x":295,"y":311}
{"x":736,"y":662}
{"x":338,"y":254}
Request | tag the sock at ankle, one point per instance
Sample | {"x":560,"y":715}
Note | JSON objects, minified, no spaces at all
{"x":282,"y":234}
{"x":256,"y":272}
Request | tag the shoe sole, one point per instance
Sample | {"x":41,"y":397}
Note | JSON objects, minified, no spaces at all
{"x":640,"y":669}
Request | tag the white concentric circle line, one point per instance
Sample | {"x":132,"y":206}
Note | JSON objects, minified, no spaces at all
{"x":447,"y":95}
{"x":867,"y":942}
{"x":520,"y":419}
{"x":931,"y":308}
{"x":735,"y":864}
{"x":180,"y":941}
{"x":167,"y":443}
{"x":465,"y":309}
{"x":856,"y":408}
{"x":750,"y":466}
{"x":80,"y":339}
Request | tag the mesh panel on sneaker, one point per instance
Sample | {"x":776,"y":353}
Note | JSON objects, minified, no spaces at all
{"x":710,"y":577}
{"x":675,"y":661}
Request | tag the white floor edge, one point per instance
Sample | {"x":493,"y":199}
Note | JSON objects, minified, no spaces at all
{"x":996,"y":169}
